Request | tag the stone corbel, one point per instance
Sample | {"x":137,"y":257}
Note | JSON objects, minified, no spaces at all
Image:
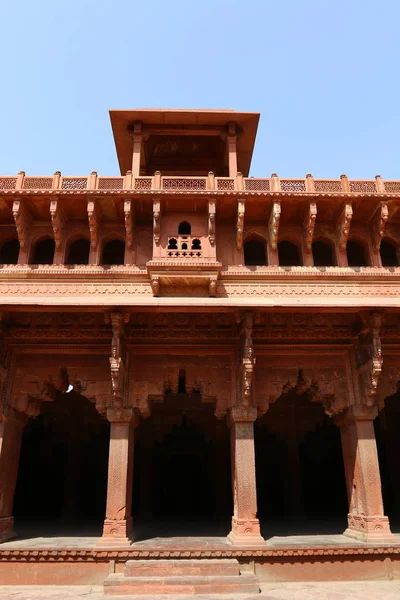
{"x":57,"y":222}
{"x":369,"y":357}
{"x":212,"y":286}
{"x":246,"y":360}
{"x":156,"y":221}
{"x":211,"y":221}
{"x":93,"y":223}
{"x":117,"y":361}
{"x":22,"y":223}
{"x":378,"y":225}
{"x":155,"y":285}
{"x":241,"y":207}
{"x":273,"y":225}
{"x":129,"y":224}
{"x":309,"y":225}
{"x":343,"y":226}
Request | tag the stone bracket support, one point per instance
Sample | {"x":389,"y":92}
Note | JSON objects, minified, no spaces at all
{"x":309,"y":226}
{"x":93,"y":223}
{"x":343,"y":226}
{"x":378,"y":225}
{"x":22,"y":221}
{"x":211,"y":221}
{"x":156,"y":221}
{"x":129,"y":229}
{"x":273,"y":225}
{"x":241,"y":207}
{"x":57,"y":222}
{"x":369,"y":357}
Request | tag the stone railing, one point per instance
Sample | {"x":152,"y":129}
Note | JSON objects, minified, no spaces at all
{"x":239,"y":183}
{"x":187,"y":246}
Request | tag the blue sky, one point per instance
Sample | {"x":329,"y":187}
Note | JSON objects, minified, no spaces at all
{"x":324,"y":74}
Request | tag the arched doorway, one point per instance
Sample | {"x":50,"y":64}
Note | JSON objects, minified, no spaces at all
{"x":62,"y":475}
{"x":182,"y":476}
{"x":301,"y":485}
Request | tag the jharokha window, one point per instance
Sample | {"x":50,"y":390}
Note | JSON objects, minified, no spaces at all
{"x":255,"y":253}
{"x":113,"y":253}
{"x":9,"y":252}
{"x":289,"y":255}
{"x":43,"y":252}
{"x":78,"y":252}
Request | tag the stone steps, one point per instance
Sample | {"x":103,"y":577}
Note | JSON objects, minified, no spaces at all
{"x":181,"y":577}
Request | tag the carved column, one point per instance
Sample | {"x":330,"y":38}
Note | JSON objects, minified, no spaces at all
{"x":366,"y":519}
{"x":245,"y":525}
{"x":11,"y":428}
{"x":117,"y":529}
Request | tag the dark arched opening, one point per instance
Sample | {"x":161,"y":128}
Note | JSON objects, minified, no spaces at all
{"x":356,"y":254}
{"x":43,"y":253}
{"x":184,"y":228}
{"x":301,"y":485}
{"x":78,"y":252}
{"x":388,"y":254}
{"x":9,"y":252}
{"x":289,"y":255}
{"x":323,"y":254}
{"x":254,"y":253}
{"x":113,"y":253}
{"x":62,"y":475}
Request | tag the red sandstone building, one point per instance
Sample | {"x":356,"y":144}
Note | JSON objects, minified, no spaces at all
{"x":189,"y":351}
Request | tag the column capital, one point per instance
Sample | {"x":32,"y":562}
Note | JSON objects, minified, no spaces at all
{"x":356,"y":413}
{"x":243,"y":414}
{"x":125,"y":415}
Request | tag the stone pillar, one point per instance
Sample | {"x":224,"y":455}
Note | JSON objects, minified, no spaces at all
{"x":117,"y":529}
{"x":11,"y":428}
{"x":245,"y":525}
{"x":366,"y":519}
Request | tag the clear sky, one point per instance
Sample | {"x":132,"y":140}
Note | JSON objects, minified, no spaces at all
{"x":325,"y":75}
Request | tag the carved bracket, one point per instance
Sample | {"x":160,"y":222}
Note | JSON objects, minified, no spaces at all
{"x":240,"y":223}
{"x":155,"y":284}
{"x":129,"y":223}
{"x":273,"y":225}
{"x":378,"y":225}
{"x":93,"y":223}
{"x":22,"y":223}
{"x":309,"y":225}
{"x":344,"y":226}
{"x":246,"y":360}
{"x":211,"y":221}
{"x":57,"y":222}
{"x":212,"y":286}
{"x":117,"y":362}
{"x":369,"y":357}
{"x":156,"y":220}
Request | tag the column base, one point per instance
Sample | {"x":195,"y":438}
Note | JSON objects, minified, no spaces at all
{"x":116,"y":533}
{"x":370,"y":529}
{"x":6,"y":529}
{"x":246,"y":532}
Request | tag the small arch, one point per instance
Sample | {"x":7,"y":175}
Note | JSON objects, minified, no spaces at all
{"x":9,"y":252}
{"x":78,"y":252}
{"x":172,"y":244}
{"x":184,"y":246}
{"x":113,"y":253}
{"x":196,"y":244}
{"x":356,"y":254}
{"x":289,"y":255}
{"x":184,"y":228}
{"x":255,"y":254}
{"x":388,"y":252}
{"x":323,"y":254}
{"x":43,"y":252}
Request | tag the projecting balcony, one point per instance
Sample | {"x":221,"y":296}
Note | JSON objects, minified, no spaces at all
{"x":184,"y":246}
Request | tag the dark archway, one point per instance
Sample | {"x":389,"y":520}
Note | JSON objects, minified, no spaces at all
{"x":323,"y":254}
{"x":388,"y":252}
{"x":356,"y":254}
{"x":184,"y":228}
{"x":289,"y":255}
{"x":78,"y":252}
{"x":43,"y":252}
{"x":301,"y":485}
{"x":9,"y":252}
{"x":113,"y":253}
{"x":62,"y":475}
{"x":255,"y":253}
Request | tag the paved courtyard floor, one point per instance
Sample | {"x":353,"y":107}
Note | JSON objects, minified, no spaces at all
{"x":353,"y":590}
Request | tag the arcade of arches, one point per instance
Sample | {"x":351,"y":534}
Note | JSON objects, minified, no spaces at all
{"x":254,"y":438}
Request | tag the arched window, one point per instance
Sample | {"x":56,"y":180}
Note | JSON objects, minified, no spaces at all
{"x":388,"y":253}
{"x":78,"y":252}
{"x":9,"y":252}
{"x":196,"y":244}
{"x":184,"y":228}
{"x":172,"y":244}
{"x":289,"y":255}
{"x":323,"y":254}
{"x":43,"y":253}
{"x":113,"y":253}
{"x":356,"y":255}
{"x":254,"y":253}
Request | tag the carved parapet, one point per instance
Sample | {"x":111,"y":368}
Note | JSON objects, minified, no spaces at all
{"x":211,"y":221}
{"x":156,"y":221}
{"x":273,"y":225}
{"x":378,"y":225}
{"x":369,"y":357}
{"x":57,"y":222}
{"x":241,"y":207}
{"x":309,"y":225}
{"x":93,"y":223}
{"x":22,"y":223}
{"x":343,"y":226}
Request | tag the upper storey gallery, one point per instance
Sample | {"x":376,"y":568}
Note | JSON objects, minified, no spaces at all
{"x":184,"y":197}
